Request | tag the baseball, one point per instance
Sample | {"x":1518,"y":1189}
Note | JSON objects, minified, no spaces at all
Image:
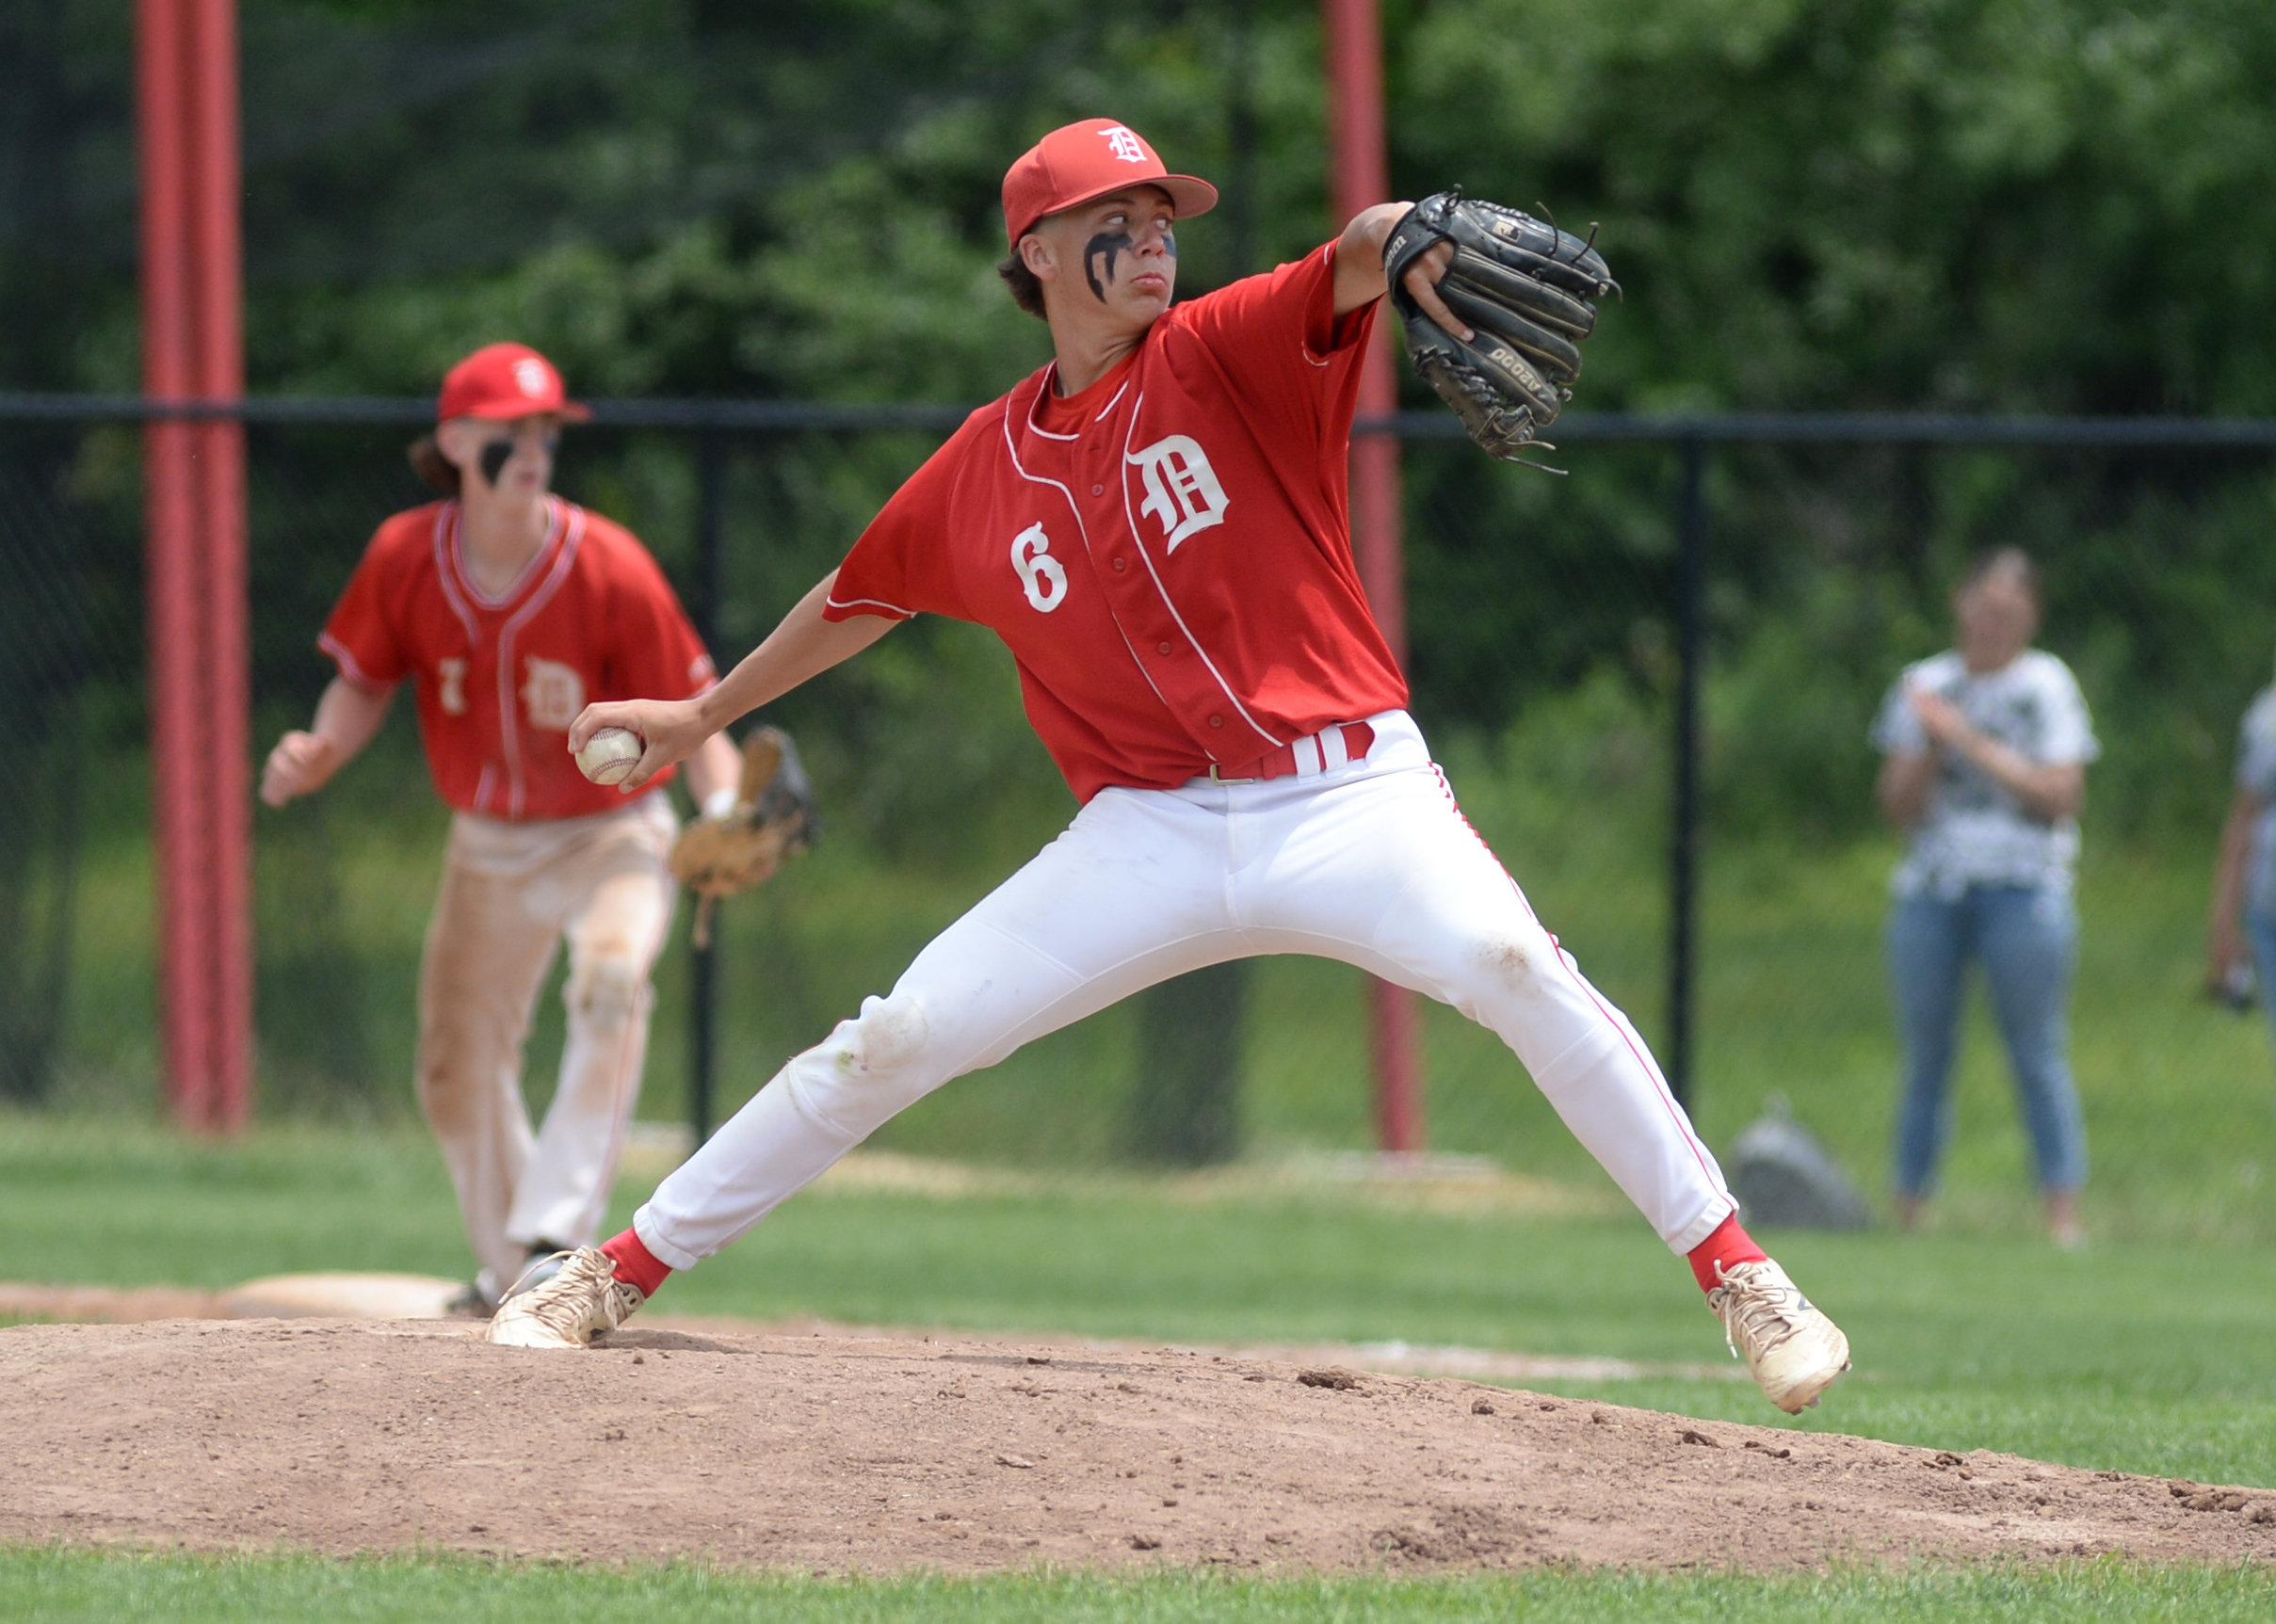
{"x":609,"y":756}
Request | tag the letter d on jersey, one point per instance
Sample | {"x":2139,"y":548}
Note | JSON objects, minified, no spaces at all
{"x":553,"y":695}
{"x":1040,"y":572}
{"x":1181,"y":489}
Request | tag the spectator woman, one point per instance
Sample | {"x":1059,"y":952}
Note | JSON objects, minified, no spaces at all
{"x":1985,"y":750}
{"x":2240,"y":938}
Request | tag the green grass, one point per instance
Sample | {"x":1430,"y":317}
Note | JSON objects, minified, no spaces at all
{"x":2180,"y":1097}
{"x":2147,"y":1354}
{"x":54,"y":1585}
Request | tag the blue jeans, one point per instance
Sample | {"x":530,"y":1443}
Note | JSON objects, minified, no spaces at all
{"x":2260,"y":930}
{"x":2026,"y":939}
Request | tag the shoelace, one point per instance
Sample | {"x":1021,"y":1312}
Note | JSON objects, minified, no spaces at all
{"x":559,"y":1304}
{"x":520,"y":1282}
{"x":1758,"y":1310}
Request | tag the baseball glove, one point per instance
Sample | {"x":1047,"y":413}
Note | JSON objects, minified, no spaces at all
{"x":1525,"y":288}
{"x":774,"y":818}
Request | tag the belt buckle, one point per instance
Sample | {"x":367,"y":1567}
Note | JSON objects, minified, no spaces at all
{"x":1216,"y":778}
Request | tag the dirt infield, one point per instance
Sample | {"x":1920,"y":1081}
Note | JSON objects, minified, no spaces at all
{"x":367,"y":1296}
{"x":840,"y":1453}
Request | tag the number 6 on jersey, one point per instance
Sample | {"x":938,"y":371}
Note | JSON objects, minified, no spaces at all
{"x":1040,"y":572}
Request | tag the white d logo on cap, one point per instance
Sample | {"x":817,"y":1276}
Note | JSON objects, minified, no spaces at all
{"x":529,"y":376}
{"x":1123,"y":143}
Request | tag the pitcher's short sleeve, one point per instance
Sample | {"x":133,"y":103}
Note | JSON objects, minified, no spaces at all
{"x":904,"y":564}
{"x":1276,"y":337}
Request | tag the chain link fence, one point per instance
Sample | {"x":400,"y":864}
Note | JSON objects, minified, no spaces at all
{"x":1763,"y":578}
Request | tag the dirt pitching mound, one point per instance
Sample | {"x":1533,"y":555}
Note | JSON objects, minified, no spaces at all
{"x":876,"y":1455}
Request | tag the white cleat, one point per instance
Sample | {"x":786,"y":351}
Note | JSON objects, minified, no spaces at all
{"x":1792,"y":1350}
{"x":582,"y":1300}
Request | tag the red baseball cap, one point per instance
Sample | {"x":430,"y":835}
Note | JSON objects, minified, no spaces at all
{"x":503,"y":381}
{"x":1076,"y":162}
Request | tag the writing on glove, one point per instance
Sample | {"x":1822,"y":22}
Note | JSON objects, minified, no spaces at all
{"x":1527,"y":290}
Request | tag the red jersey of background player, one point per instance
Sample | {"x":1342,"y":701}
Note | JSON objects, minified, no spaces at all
{"x":499,"y":680}
{"x":1168,"y":554}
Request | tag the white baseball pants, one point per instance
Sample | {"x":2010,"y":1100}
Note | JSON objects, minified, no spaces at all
{"x":510,"y":893}
{"x":1369,"y":862}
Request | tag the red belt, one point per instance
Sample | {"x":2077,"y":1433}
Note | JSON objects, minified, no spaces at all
{"x":1307,"y":757}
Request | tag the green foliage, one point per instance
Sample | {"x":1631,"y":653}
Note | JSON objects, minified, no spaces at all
{"x":675,"y":199}
{"x":1792,"y":996}
{"x":2002,"y":204}
{"x":2020,"y":204}
{"x":1970,"y":204}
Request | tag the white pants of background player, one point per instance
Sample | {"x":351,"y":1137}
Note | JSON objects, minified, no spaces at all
{"x":511,"y":893}
{"x":1370,"y":862}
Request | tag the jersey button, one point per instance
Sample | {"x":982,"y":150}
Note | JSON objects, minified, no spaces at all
{"x":1098,"y":491}
{"x":1121,"y":564}
{"x":1161,"y":648}
{"x":1217,"y":721}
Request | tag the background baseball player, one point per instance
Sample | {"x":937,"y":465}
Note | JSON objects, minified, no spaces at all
{"x":1155,"y":524}
{"x":506,"y":609}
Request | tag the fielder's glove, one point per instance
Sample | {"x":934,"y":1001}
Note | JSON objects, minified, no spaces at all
{"x":772,"y":817}
{"x":1525,"y":288}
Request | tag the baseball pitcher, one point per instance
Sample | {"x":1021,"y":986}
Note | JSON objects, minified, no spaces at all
{"x":508,"y":610}
{"x":1156,"y":523}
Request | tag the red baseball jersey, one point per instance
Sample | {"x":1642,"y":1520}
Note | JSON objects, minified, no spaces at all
{"x":499,"y":680}
{"x":1168,"y":554}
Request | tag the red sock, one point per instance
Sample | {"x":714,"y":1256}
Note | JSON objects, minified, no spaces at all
{"x":636,"y":1266}
{"x":1730,"y":1245}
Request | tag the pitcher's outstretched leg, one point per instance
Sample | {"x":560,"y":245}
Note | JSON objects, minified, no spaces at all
{"x":1390,"y":864}
{"x":1130,"y":894}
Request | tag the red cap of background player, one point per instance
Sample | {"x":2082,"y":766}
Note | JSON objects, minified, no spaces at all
{"x":1076,"y":162}
{"x":503,"y":381}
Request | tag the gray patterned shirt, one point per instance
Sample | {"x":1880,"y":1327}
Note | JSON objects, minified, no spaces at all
{"x":1972,"y":831}
{"x":2256,"y":776}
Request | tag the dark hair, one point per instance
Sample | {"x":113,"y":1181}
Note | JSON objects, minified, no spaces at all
{"x":2003,"y":560}
{"x":1027,"y":291}
{"x":434,"y":468}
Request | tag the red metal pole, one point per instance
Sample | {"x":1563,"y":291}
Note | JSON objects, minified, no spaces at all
{"x":1359,"y":178}
{"x":179,"y":812}
{"x":217,"y":294}
{"x":193,"y":348}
